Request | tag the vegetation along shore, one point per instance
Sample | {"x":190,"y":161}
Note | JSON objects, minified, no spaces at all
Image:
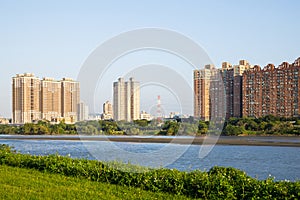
{"x":267,"y":126}
{"x":217,"y":183}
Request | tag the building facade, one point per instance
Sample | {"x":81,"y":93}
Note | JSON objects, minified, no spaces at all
{"x":47,"y":99}
{"x":70,"y":99}
{"x":201,"y":92}
{"x":227,"y":73}
{"x":126,"y":100}
{"x":25,"y":98}
{"x":232,"y":78}
{"x":272,"y":91}
{"x":208,"y":93}
{"x":50,"y":99}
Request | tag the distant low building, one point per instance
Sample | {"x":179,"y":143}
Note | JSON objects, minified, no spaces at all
{"x":173,"y":114}
{"x":4,"y":120}
{"x":95,"y":116}
{"x":146,"y":116}
{"x":107,"y":111}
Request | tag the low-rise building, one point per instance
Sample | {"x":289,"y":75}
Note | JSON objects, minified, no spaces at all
{"x":4,"y":120}
{"x":146,"y":116}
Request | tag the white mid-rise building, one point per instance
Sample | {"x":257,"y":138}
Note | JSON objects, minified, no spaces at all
{"x":83,"y":112}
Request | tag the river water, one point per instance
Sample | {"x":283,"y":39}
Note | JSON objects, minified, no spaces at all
{"x":257,"y":161}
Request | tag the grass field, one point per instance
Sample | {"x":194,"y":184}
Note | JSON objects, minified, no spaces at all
{"x":17,"y":183}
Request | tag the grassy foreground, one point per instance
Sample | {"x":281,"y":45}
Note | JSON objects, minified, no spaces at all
{"x":17,"y":183}
{"x":217,"y":183}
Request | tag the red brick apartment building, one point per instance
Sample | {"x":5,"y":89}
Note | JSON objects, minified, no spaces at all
{"x":272,"y":90}
{"x":247,"y":91}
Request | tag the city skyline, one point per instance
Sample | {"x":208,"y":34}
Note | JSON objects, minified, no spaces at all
{"x":240,"y":80}
{"x":55,"y":38}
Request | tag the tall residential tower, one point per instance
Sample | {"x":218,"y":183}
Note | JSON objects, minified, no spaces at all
{"x":202,"y":91}
{"x":26,"y":98}
{"x":126,"y":97}
{"x":70,"y":99}
{"x":232,"y":79}
{"x":50,"y":99}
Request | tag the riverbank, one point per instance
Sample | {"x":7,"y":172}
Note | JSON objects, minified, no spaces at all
{"x":289,"y":141}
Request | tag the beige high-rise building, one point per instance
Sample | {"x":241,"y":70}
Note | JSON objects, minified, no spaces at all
{"x":47,"y":99}
{"x":50,"y":99}
{"x":126,"y":100}
{"x":202,"y":81}
{"x":25,"y":98}
{"x":70,"y":99}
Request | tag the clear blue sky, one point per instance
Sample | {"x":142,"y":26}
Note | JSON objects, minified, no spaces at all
{"x":53,"y":38}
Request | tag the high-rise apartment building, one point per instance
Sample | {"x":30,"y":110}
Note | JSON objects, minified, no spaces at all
{"x":50,"y":99}
{"x":232,"y":79}
{"x":70,"y":99}
{"x":47,"y":99}
{"x":249,"y":91}
{"x":271,"y":90}
{"x":228,"y":80}
{"x":126,"y":97}
{"x":206,"y":92}
{"x":25,"y":98}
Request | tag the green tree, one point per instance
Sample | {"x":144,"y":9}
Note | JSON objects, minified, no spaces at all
{"x":43,"y":130}
{"x":141,"y":122}
{"x":92,"y":130}
{"x":202,"y":127}
{"x":233,"y":130}
{"x":28,"y":129}
{"x":170,"y":128}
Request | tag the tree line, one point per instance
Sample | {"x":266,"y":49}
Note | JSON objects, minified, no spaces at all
{"x":268,"y":125}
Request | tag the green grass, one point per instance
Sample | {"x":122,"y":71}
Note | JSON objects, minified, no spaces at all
{"x":17,"y":183}
{"x":58,"y":177}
